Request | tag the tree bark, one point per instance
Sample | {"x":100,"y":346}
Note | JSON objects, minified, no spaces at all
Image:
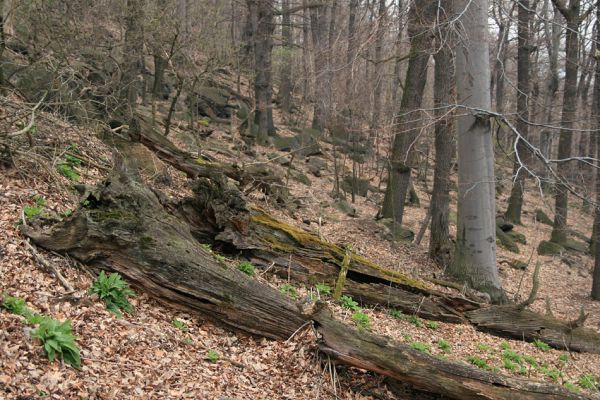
{"x":318,"y":29}
{"x":285,"y":88}
{"x":378,"y":70}
{"x":475,"y":255}
{"x":398,"y":361}
{"x":2,"y":48}
{"x":406,"y":126}
{"x":596,"y":121}
{"x":263,"y":85}
{"x":440,"y":246}
{"x":132,"y":56}
{"x":569,"y":114}
{"x":515,"y":202}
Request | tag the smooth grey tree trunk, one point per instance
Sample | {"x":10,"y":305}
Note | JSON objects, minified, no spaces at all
{"x":2,"y":48}
{"x":568,"y":116}
{"x":398,"y":63}
{"x":440,"y":246}
{"x":596,"y":121}
{"x":406,"y":125}
{"x":475,"y":255}
{"x":318,"y":28}
{"x":522,"y":158}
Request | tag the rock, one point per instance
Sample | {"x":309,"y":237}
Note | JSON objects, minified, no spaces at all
{"x":395,"y":231}
{"x":580,"y":236}
{"x":210,"y":102}
{"x":285,"y":143}
{"x":284,"y":161}
{"x":541,"y":216}
{"x":517,"y":237}
{"x":576,"y":246}
{"x":506,"y":241}
{"x":547,"y":248}
{"x":304,"y":144}
{"x":502,"y":224}
{"x":316,"y":165}
{"x":518,"y":264}
{"x":362,"y":186}
{"x":346,"y":208}
{"x":299,"y":177}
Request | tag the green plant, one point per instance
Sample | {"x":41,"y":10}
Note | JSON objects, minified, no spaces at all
{"x":188,"y":341}
{"x":246,"y":267}
{"x":512,"y":356}
{"x":212,"y":356}
{"x":15,"y":305}
{"x":66,"y":213}
{"x":113,"y":291}
{"x":397,"y":313}
{"x":67,"y":170}
{"x":58,"y":341}
{"x":289,"y":290}
{"x":484,"y":347}
{"x":541,"y":345}
{"x":420,"y":346}
{"x":588,"y":381}
{"x":571,"y":387}
{"x":564,"y":358}
{"x":551,"y":373}
{"x":207,"y":247}
{"x":433,"y":325}
{"x":323,"y":288}
{"x":505,"y":346}
{"x":72,"y":160}
{"x":443,"y":345}
{"x":478,"y":362}
{"x":416,"y":321}
{"x":361,"y":320}
{"x":531,"y":361}
{"x":508,"y":364}
{"x":407,"y":337}
{"x":31,"y":211}
{"x":179,"y":324}
{"x":349,"y":303}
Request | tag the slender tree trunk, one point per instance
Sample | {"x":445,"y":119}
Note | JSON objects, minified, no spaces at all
{"x":318,"y":27}
{"x":305,"y":53}
{"x":499,"y":68}
{"x":378,"y":71}
{"x":569,"y":114}
{"x":263,"y":86}
{"x":440,"y":246}
{"x":406,"y":126}
{"x":596,"y":119}
{"x":132,"y":56}
{"x":2,"y":48}
{"x":397,"y":64}
{"x":475,"y":255}
{"x":515,"y":202}
{"x":285,"y":86}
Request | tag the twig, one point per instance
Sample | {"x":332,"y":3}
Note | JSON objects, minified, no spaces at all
{"x":31,"y":121}
{"x":49,"y":266}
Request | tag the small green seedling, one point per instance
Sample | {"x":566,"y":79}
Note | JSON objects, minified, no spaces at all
{"x":443,"y":345}
{"x":349,"y":303}
{"x":289,"y":290}
{"x":433,"y":325}
{"x":362,"y":320}
{"x":416,"y":321}
{"x":212,"y":356}
{"x":179,"y":324}
{"x":397,"y":313}
{"x":420,"y":346}
{"x":571,"y":387}
{"x":246,"y":267}
{"x":484,"y":347}
{"x":478,"y":362}
{"x":588,"y":381}
{"x":31,"y":211}
{"x":541,"y":345}
{"x":509,"y":365}
{"x":114,"y":292}
{"x":505,"y":346}
{"x":323,"y":289}
{"x":564,"y":358}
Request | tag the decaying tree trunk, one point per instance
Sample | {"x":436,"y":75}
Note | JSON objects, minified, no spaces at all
{"x":453,"y":380}
{"x":125,"y":226}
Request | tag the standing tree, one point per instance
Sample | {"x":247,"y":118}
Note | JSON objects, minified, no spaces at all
{"x":596,"y":116}
{"x":515,"y":202}
{"x":440,"y":247}
{"x":406,"y":127}
{"x":377,"y":75}
{"x":132,"y":56}
{"x":285,"y":85}
{"x":475,"y":254}
{"x":263,"y":85}
{"x":572,"y":15}
{"x":318,"y":29}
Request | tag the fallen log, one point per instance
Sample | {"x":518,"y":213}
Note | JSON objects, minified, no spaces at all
{"x":123,"y":226}
{"x":223,"y":217}
{"x":450,"y":379}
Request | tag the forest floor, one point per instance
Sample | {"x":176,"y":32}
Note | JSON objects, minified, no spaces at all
{"x":146,"y":355}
